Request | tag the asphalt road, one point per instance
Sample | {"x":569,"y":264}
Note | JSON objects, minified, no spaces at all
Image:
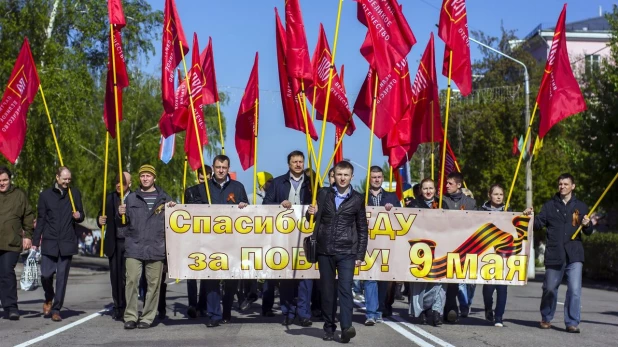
{"x":87,"y":324}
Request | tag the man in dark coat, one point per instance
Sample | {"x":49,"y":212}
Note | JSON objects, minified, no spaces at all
{"x":562,"y":215}
{"x":113,"y":245}
{"x":341,"y":233}
{"x":15,"y":215}
{"x":56,"y":223}
{"x":144,"y":211}
{"x":291,"y":188}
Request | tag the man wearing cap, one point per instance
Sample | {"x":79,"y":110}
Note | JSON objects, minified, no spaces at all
{"x":293,"y":188}
{"x":144,"y":212}
{"x":113,"y":245}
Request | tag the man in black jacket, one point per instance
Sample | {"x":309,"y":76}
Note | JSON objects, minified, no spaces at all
{"x":562,"y":216}
{"x":376,"y":292}
{"x":113,"y":245}
{"x":291,"y":188}
{"x":342,"y":232}
{"x":197,"y":302}
{"x":223,"y":191}
{"x":56,"y":223}
{"x":144,"y":211}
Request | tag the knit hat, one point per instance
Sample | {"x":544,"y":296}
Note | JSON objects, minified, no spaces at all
{"x":148,"y":168}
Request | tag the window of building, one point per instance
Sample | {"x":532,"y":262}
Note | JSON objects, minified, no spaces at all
{"x":592,"y":63}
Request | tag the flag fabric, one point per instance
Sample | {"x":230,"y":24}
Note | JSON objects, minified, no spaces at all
{"x":339,"y":152}
{"x":339,"y":112}
{"x":211,"y":93}
{"x":515,"y":148}
{"x":559,"y":96}
{"x":449,"y":165}
{"x":172,"y":123}
{"x":520,"y":144}
{"x":166,"y":148}
{"x":247,"y":121}
{"x":297,"y":52}
{"x":117,"y":65}
{"x":115,"y":13}
{"x":538,"y":144}
{"x":193,"y":147}
{"x":389,"y":38}
{"x":16,"y":99}
{"x":393,"y":99}
{"x":173,"y":38}
{"x":453,"y":30}
{"x":292,"y":112}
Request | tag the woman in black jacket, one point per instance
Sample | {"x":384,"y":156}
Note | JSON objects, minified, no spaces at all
{"x":495,"y":203}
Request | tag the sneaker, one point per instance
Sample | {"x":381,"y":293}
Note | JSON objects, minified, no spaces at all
{"x":328,"y":336}
{"x":359,"y":297}
{"x":573,"y":329}
{"x":498,"y":324}
{"x":489,"y":315}
{"x":451,"y":317}
{"x":245,"y":305}
{"x":379,"y":320}
{"x":545,"y":325}
{"x":370,"y":322}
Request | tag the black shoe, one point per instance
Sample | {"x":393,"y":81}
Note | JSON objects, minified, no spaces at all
{"x":305,"y":322}
{"x":192,"y":312}
{"x":213,"y":323}
{"x":226,"y":320}
{"x":14,"y":315}
{"x":115,"y":314}
{"x":489,"y":315}
{"x":287,"y":321}
{"x":268,"y":314}
{"x":348,"y":334}
{"x":424,"y":316}
{"x":465,"y":312}
{"x":436,"y":318}
{"x":452,"y":317}
{"x":130,"y":325}
{"x":387,"y":313}
{"x":328,"y":336}
{"x":143,"y":325}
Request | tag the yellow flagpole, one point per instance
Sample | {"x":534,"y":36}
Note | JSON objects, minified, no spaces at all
{"x":371,"y":135}
{"x":432,"y":144}
{"x":313,"y":111}
{"x":521,"y":156}
{"x":51,"y":126}
{"x":111,"y":35}
{"x":197,"y":133}
{"x":448,"y":107}
{"x":329,"y":85}
{"x":597,"y":204}
{"x":390,"y":180}
{"x":458,"y":169}
{"x":104,"y":191}
{"x":255,"y":144}
{"x":332,"y":157}
{"x":220,"y":130}
{"x":303,"y":110}
{"x":184,"y":182}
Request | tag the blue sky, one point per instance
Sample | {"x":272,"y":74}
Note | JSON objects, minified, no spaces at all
{"x":239,"y":28}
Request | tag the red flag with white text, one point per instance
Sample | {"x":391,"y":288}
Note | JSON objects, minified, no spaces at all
{"x":171,"y":54}
{"x":197,"y":81}
{"x":247,"y":120}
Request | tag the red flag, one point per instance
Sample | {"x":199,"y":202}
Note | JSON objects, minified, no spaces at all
{"x":173,"y":37}
{"x":341,"y":79}
{"x":398,"y":184}
{"x":211,"y":94}
{"x":559,"y":96}
{"x":297,"y":53}
{"x":292,"y":112}
{"x":453,"y":30}
{"x":515,"y":149}
{"x":122,"y":78}
{"x":338,"y":130}
{"x":338,"y":108}
{"x":394,"y":93}
{"x":197,"y":83}
{"x":449,"y":165}
{"x":17,"y":97}
{"x":172,"y":123}
{"x":389,"y":38}
{"x":247,"y":120}
{"x":115,"y":13}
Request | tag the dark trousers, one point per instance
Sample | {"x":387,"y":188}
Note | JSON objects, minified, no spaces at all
{"x":8,"y":280}
{"x":161,"y":306}
{"x":488,"y":293}
{"x":59,"y":266}
{"x":289,"y":291}
{"x":195,"y":300}
{"x":268,"y":295}
{"x":452,"y":289}
{"x":118,"y":276}
{"x":383,"y":291}
{"x":330,"y":266}
{"x":230,"y":289}
{"x":213,"y":299}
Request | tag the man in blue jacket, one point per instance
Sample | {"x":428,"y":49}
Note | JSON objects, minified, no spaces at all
{"x":562,"y":215}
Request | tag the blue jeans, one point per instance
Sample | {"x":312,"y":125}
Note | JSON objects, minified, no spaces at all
{"x":213,"y":299}
{"x":488,"y":293}
{"x":357,"y":287}
{"x":572,"y":302}
{"x":465,"y":295}
{"x":289,"y":290}
{"x":375,"y":297}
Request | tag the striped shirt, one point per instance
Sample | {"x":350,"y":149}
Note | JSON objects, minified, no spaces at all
{"x":376,"y":199}
{"x":150,"y":198}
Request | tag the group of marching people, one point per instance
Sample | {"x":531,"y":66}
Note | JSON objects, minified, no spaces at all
{"x":135,"y":245}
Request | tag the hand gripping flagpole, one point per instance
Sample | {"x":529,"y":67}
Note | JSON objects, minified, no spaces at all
{"x":448,"y":107}
{"x":371,"y":135}
{"x":104,"y":192}
{"x":330,"y":83}
{"x":596,"y":204}
{"x":51,"y":126}
{"x":255,"y":146}
{"x":197,"y":133}
{"x":121,"y":179}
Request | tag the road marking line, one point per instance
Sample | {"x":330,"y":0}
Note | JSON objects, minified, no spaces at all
{"x":560,"y":303}
{"x":422,"y":332}
{"x":64,"y":328}
{"x":407,"y":334}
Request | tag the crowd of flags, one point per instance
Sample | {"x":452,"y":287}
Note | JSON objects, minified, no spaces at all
{"x":410,"y":104}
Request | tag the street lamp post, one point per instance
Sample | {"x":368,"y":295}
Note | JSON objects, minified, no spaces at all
{"x":531,"y":266}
